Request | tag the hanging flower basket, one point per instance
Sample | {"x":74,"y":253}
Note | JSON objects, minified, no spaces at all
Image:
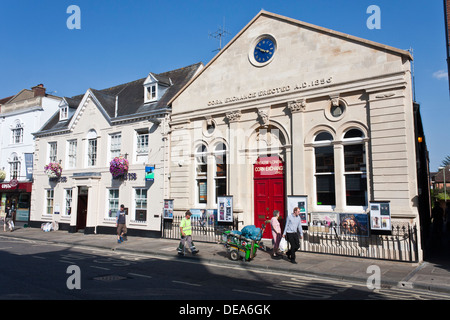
{"x":53,"y":170}
{"x":2,"y":175}
{"x":118,"y":167}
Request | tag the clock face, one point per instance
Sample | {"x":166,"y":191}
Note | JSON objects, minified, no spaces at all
{"x":264,"y":50}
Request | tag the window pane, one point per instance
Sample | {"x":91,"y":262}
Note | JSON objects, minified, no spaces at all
{"x":356,"y":189}
{"x":353,"y":133}
{"x":325,"y":190}
{"x":354,"y":158}
{"x":221,"y":187}
{"x":324,"y":159}
{"x":324,"y":136}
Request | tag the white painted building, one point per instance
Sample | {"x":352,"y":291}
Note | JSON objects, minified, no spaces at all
{"x":129,"y":121}
{"x":20,"y":116}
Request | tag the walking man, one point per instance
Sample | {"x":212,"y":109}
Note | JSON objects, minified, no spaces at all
{"x":186,"y":234}
{"x":121,"y":224}
{"x":293,"y":233}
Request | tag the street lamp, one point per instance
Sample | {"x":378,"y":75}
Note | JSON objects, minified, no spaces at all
{"x":445,"y":183}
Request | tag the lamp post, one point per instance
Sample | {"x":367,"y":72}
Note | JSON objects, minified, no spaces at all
{"x":445,"y":183}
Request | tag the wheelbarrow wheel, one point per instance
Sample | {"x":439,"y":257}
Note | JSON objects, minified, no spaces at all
{"x":234,"y":255}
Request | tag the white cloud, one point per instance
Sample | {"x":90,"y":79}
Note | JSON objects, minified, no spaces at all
{"x":440,"y":74}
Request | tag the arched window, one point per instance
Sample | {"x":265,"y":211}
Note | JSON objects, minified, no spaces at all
{"x":324,"y":169}
{"x":201,"y":166}
{"x":220,"y":160}
{"x":17,"y":132}
{"x":355,"y":168}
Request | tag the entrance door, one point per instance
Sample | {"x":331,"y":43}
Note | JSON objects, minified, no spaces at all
{"x":82,"y":208}
{"x":268,"y":191}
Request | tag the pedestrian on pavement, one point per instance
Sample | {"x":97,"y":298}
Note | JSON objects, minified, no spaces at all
{"x":276,"y":232}
{"x":121,"y":224}
{"x":186,"y":235}
{"x":8,"y":219}
{"x":293,"y":233}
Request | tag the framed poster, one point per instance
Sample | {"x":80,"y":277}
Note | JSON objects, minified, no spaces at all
{"x":323,"y":221}
{"x":168,"y":209}
{"x":380,"y":216}
{"x":302,"y":203}
{"x":354,"y":224}
{"x":225,"y":209}
{"x":149,"y":173}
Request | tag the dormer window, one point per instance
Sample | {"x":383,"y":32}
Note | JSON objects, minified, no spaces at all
{"x":151,"y":92}
{"x":63,"y":113}
{"x":155,"y":86}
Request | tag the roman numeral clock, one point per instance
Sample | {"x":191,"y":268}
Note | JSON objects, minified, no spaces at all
{"x":262,"y":50}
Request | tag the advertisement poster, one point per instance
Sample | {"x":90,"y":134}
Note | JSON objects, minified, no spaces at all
{"x":354,"y":224}
{"x":204,"y":217}
{"x":168,"y":209}
{"x":225,"y":209}
{"x":302,"y":203}
{"x":149,"y":173}
{"x":380,"y":216}
{"x":323,"y":221}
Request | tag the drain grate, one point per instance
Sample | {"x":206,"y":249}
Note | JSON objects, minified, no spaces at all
{"x":109,"y":278}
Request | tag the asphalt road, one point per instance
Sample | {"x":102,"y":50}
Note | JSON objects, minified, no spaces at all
{"x":31,"y":270}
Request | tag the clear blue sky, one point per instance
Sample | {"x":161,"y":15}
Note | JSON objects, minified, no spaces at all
{"x":121,"y":41}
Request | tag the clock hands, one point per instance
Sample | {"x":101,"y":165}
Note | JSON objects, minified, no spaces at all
{"x":262,"y":50}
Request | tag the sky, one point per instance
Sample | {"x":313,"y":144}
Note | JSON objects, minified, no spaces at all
{"x":120,"y":41}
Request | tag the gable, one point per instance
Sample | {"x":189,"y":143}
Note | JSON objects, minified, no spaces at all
{"x":307,"y":57}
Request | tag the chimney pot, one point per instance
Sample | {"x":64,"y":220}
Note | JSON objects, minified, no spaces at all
{"x":39,"y":90}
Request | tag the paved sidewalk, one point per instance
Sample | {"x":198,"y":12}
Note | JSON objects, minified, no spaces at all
{"x":432,"y":276}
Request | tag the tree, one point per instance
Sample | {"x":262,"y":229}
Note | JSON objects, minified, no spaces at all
{"x":446,"y":161}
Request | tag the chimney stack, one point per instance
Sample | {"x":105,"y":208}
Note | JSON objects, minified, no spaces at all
{"x":39,"y":90}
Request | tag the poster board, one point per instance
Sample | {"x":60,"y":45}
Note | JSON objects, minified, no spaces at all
{"x":323,"y":222}
{"x":302,"y":203}
{"x":380,"y":216}
{"x":168,"y":209}
{"x":354,"y":224}
{"x":225,"y":209}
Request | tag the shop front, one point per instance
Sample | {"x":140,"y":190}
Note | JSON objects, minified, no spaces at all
{"x":17,"y":196}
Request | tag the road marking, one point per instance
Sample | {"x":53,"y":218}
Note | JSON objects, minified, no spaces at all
{"x":38,"y":257}
{"x":140,"y":275}
{"x":252,"y":292}
{"x":187,"y":283}
{"x":99,"y":268}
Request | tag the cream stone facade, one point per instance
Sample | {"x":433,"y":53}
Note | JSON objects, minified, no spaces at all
{"x":337,"y":111}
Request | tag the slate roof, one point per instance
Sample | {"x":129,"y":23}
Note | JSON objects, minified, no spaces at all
{"x":130,"y":97}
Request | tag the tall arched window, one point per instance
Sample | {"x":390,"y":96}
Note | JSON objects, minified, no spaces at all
{"x":220,"y":178}
{"x":324,"y":169}
{"x":201,"y":167}
{"x":355,"y":168}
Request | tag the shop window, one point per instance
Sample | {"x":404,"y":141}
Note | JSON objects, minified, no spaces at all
{"x":201,"y":166}
{"x":324,"y":169}
{"x":141,"y":204}
{"x":220,"y":179}
{"x":113,"y":202}
{"x":355,"y":168}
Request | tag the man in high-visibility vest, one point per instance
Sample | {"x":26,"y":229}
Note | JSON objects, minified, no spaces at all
{"x":186,"y":234}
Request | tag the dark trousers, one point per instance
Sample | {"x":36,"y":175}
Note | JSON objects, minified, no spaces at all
{"x":294,"y":244}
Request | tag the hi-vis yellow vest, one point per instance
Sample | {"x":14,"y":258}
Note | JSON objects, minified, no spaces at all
{"x":186,"y":225}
